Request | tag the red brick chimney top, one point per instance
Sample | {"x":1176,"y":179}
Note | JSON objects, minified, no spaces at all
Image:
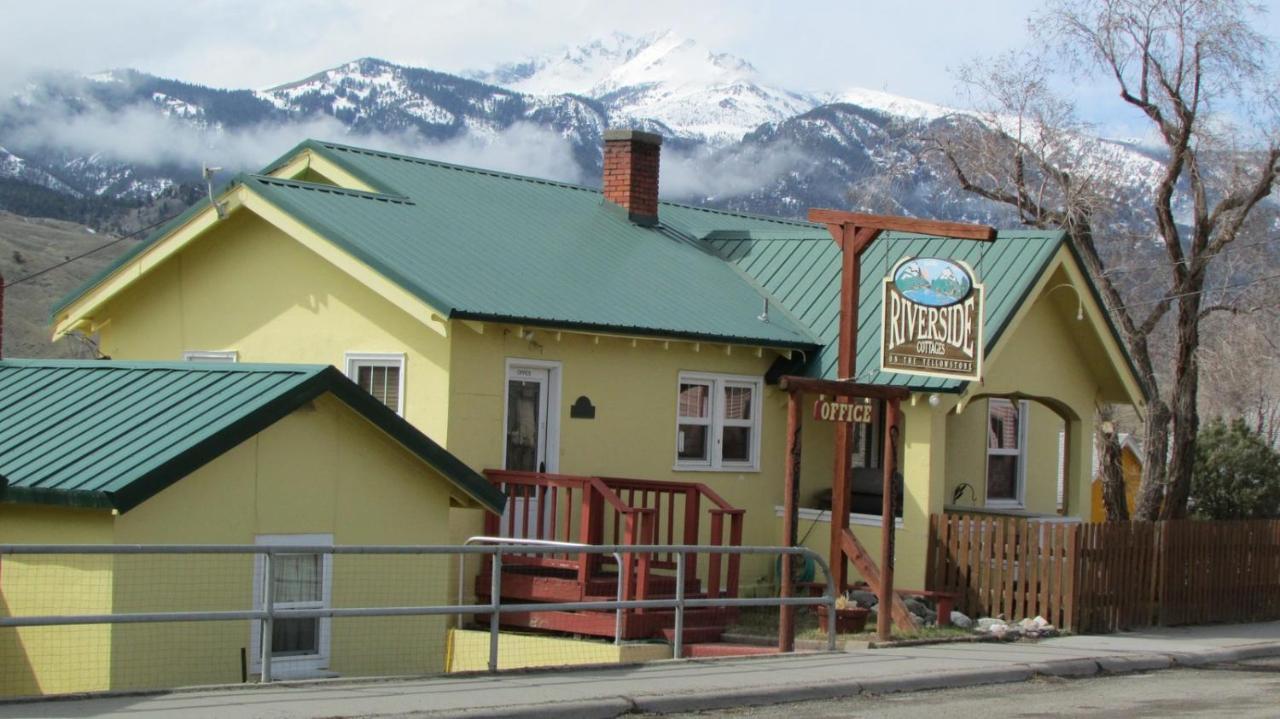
{"x":631,"y":173}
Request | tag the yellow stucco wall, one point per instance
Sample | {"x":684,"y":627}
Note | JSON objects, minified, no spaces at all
{"x":50,"y":660}
{"x":248,"y":287}
{"x":321,"y":470}
{"x":469,"y":651}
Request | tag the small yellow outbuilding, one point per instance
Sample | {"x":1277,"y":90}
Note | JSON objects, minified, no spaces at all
{"x":102,"y":452}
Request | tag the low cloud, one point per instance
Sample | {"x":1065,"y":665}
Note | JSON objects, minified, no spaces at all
{"x":707,"y":173}
{"x":143,"y":134}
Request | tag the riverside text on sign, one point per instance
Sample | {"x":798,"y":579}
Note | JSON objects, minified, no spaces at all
{"x":932,"y":322}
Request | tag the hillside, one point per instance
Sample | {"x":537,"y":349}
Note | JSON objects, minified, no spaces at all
{"x":28,"y":245}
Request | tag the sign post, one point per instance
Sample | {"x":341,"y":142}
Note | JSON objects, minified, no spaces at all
{"x":854,"y":232}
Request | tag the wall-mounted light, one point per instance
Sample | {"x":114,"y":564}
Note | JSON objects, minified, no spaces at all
{"x":1079,"y":299}
{"x":934,"y":400}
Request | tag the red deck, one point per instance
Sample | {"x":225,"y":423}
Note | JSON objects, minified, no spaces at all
{"x":611,"y":510}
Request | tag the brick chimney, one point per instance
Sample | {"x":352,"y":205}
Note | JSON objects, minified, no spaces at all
{"x":631,"y":173}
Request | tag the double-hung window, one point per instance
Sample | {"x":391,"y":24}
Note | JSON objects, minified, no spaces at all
{"x":302,"y":580}
{"x":1006,"y":452}
{"x":717,"y":422}
{"x":379,"y":374}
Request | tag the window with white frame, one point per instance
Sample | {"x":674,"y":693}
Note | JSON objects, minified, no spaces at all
{"x":211,"y":356}
{"x":381,"y":375}
{"x":302,"y":580}
{"x":717,"y":422}
{"x":1006,"y":452}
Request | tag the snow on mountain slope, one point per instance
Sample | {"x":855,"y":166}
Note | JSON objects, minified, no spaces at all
{"x":661,"y":79}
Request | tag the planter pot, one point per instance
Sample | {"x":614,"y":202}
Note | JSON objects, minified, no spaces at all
{"x":848,"y":621}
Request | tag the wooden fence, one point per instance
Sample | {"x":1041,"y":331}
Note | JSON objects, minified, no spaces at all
{"x":1107,"y":577}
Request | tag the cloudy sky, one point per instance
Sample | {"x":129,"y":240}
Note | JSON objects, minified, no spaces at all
{"x":907,"y":48}
{"x":910,"y":48}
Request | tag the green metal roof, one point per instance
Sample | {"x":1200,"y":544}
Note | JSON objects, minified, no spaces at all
{"x":803,"y":273}
{"x":476,"y":244}
{"x":111,"y":434}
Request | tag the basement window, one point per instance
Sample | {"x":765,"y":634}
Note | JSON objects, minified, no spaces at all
{"x":379,"y":374}
{"x":210,"y":356}
{"x":303,"y":580}
{"x":717,"y":422}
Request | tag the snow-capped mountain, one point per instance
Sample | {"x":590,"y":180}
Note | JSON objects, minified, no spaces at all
{"x":663,"y":79}
{"x":732,"y":139}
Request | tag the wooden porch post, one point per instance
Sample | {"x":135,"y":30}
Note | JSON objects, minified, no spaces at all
{"x":888,"y":507}
{"x":791,"y":510}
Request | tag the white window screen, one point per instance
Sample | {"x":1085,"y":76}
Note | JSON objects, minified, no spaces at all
{"x":381,"y":376}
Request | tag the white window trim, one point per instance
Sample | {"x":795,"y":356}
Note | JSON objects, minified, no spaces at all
{"x":1020,"y":502}
{"x":715,"y":462}
{"x":354,"y":360}
{"x":299,"y":666}
{"x":554,"y":372}
{"x":211,"y":356}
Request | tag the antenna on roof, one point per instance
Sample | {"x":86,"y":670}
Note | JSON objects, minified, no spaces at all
{"x":207,"y":173}
{"x":764,"y":316}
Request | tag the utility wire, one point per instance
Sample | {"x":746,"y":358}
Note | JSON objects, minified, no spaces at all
{"x":1237,"y":286}
{"x":1226,"y":250}
{"x":83,"y":255}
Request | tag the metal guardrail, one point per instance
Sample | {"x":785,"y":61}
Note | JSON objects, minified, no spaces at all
{"x":495,"y":608}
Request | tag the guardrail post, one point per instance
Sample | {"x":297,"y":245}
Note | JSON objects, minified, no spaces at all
{"x":678,"y":645}
{"x":268,"y":624}
{"x":495,"y":599}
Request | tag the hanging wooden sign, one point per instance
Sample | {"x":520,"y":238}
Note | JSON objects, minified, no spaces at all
{"x":833,"y":411}
{"x":932,"y":320}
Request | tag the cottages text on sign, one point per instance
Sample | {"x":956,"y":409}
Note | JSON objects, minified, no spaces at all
{"x":832,"y":411}
{"x":932,"y":322}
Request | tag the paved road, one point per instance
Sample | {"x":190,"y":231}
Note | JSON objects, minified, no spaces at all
{"x":1007,"y":670}
{"x":1243,"y":690}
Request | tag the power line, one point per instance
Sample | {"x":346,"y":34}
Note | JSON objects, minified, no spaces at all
{"x":83,"y":255}
{"x":1226,"y":250}
{"x":1240,"y":285}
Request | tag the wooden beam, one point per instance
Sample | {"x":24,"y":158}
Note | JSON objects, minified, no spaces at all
{"x":790,"y":530}
{"x":937,"y":228}
{"x":861,"y":559}
{"x":838,"y":388}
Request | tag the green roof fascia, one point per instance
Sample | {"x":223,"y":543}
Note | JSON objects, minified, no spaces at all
{"x":633,"y":330}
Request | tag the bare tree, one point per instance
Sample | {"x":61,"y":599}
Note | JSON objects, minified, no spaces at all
{"x":1186,"y":67}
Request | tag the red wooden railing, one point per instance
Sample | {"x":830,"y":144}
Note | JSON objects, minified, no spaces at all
{"x":587,"y":510}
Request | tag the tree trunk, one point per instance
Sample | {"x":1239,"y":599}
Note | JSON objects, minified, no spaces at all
{"x":1112,"y":469}
{"x":1155,"y":457}
{"x":1186,"y":419}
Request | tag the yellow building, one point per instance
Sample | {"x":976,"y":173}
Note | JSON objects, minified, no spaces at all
{"x":535,"y":325}
{"x":1130,"y":469}
{"x":117,"y":453}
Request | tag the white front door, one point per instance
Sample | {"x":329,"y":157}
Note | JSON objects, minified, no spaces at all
{"x":530,"y":440}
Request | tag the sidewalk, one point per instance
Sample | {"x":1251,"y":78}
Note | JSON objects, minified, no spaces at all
{"x":696,"y":685}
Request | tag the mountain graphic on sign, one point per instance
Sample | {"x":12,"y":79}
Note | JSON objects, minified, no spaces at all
{"x":933,"y":282}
